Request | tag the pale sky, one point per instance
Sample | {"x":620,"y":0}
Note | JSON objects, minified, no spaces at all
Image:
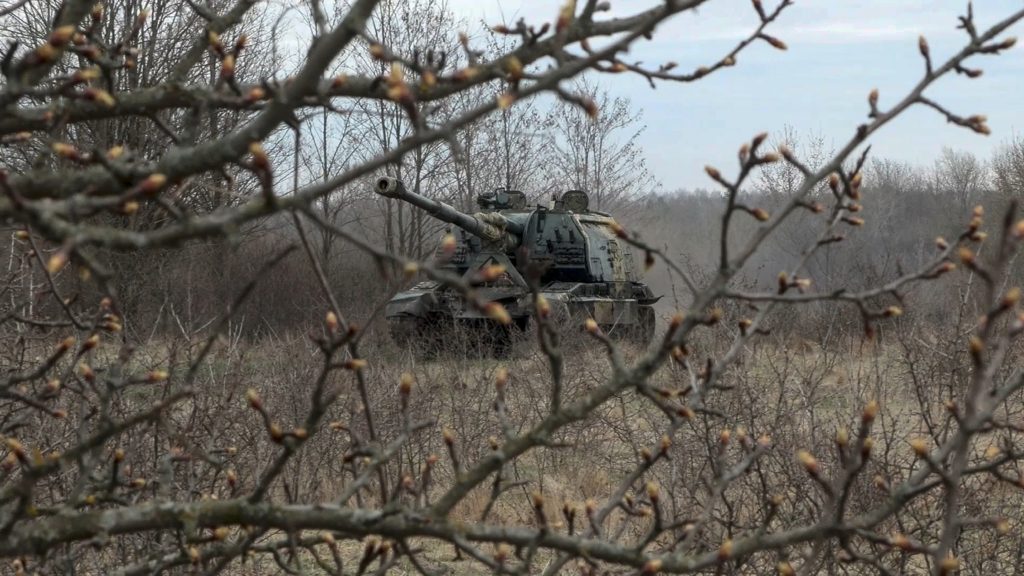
{"x":838,"y":51}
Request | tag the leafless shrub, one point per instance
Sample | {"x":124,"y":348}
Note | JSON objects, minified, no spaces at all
{"x":217,"y":443}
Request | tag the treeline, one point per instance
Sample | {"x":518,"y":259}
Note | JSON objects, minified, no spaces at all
{"x":904,"y":206}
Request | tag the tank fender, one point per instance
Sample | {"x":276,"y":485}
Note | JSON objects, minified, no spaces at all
{"x":416,"y":302}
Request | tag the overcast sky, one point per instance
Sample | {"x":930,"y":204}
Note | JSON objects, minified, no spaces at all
{"x":838,"y":51}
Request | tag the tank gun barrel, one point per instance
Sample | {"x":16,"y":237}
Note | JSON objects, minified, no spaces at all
{"x":490,"y":226}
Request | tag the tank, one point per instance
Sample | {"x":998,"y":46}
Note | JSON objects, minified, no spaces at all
{"x":584,"y":270}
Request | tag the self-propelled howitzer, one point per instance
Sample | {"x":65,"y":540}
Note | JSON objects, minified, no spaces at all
{"x":587,"y":271}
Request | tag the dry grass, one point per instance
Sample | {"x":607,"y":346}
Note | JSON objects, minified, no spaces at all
{"x":798,"y":394}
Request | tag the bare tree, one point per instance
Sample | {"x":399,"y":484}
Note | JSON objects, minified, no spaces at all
{"x":141,"y":47}
{"x":504,"y":150}
{"x":1008,"y":169}
{"x":596,"y":148}
{"x":421,"y":33}
{"x":961,"y":175}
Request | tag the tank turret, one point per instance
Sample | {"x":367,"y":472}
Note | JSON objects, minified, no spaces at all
{"x":586,"y":271}
{"x":491,"y":227}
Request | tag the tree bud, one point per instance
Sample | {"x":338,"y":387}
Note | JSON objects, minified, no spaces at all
{"x":405,"y":384}
{"x":498,"y":313}
{"x":356,"y":364}
{"x":253,"y":398}
{"x":919,"y":446}
{"x":227,"y":67}
{"x":153,"y":183}
{"x":842,"y":437}
{"x":775,"y":42}
{"x":653,"y":493}
{"x":651,"y":567}
{"x":808,"y":461}
{"x":725,"y":550}
{"x":870,"y":411}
